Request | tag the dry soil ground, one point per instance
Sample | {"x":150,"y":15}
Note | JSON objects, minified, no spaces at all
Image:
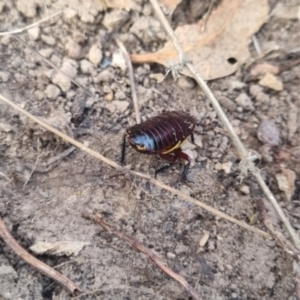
{"x":234,"y":263}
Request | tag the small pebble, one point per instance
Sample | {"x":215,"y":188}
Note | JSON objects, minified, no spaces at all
{"x":268,"y":133}
{"x":118,"y":60}
{"x":63,"y":81}
{"x":39,"y":95}
{"x":2,"y":4}
{"x":95,"y":54}
{"x":109,"y":97}
{"x":85,"y":17}
{"x":70,"y":13}
{"x":121,"y":105}
{"x":110,"y":107}
{"x":90,"y":102}
{"x":27,"y":8}
{"x":52,"y":91}
{"x":186,"y":83}
{"x":86,"y":67}
{"x":5,"y":270}
{"x":227,"y":103}
{"x":245,"y":189}
{"x":6,"y":40}
{"x":244,"y":101}
{"x":106,"y":89}
{"x":49,"y":40}
{"x":104,"y":76}
{"x":255,"y":90}
{"x":17,"y":62}
{"x":120,"y":95}
{"x":4,"y":76}
{"x":73,"y":49}
{"x":236,"y":85}
{"x":47,"y":52}
{"x":198,"y":141}
{"x":34,"y":33}
{"x":5,"y":127}
{"x":115,"y":19}
{"x":171,"y":255}
{"x":211,"y":245}
{"x":204,"y":238}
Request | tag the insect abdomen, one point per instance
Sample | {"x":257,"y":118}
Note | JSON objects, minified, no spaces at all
{"x":165,"y":132}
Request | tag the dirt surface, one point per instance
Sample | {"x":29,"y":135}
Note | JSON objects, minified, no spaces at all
{"x":46,"y":204}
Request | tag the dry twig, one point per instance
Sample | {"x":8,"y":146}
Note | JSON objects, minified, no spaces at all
{"x":15,"y":31}
{"x":132,"y":83}
{"x":35,"y":263}
{"x":243,"y":153}
{"x":118,"y":167}
{"x":141,"y":248}
{"x":52,"y":162}
{"x":211,"y":5}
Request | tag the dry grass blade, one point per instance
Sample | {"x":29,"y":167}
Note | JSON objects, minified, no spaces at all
{"x":243,"y":153}
{"x":132,"y":83}
{"x":118,"y":167}
{"x":37,"y":264}
{"x":15,"y":31}
{"x":150,"y":254}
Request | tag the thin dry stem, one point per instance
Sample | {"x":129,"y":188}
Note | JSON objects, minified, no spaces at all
{"x":15,"y":31}
{"x":257,"y":45}
{"x":132,"y":83}
{"x":35,"y":263}
{"x":211,"y":5}
{"x":118,"y":167}
{"x":33,"y":169}
{"x":150,"y":254}
{"x":118,"y":287}
{"x":243,"y":153}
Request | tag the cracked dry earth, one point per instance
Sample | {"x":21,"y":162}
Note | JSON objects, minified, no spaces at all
{"x":46,"y":205}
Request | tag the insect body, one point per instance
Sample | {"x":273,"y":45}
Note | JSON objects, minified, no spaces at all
{"x":162,"y":135}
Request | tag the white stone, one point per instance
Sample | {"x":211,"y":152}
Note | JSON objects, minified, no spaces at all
{"x":115,"y":19}
{"x":244,"y":101}
{"x":52,"y":91}
{"x":86,"y":67}
{"x":73,"y":49}
{"x":34,"y":33}
{"x":118,"y":60}
{"x":4,"y":76}
{"x":121,"y":105}
{"x":49,"y":40}
{"x":95,"y":54}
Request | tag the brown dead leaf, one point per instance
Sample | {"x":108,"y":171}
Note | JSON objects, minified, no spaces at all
{"x":169,"y":5}
{"x":223,"y":46}
{"x":286,"y":182}
{"x":58,"y":248}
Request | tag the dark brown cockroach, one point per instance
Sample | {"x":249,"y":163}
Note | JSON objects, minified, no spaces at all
{"x":162,"y":135}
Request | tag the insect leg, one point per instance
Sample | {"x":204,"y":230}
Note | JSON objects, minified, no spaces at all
{"x":169,"y":157}
{"x":184,"y":156}
{"x":192,"y":138}
{"x":123,"y":149}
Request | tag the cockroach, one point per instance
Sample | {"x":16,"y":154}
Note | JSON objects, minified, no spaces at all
{"x":162,"y":135}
